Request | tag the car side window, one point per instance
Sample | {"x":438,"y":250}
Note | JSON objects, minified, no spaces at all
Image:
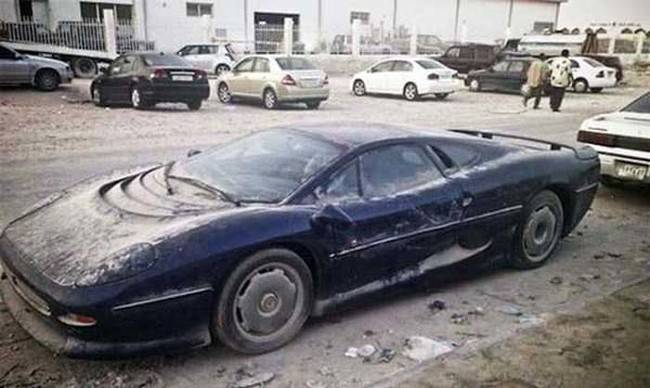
{"x":245,"y":65}
{"x":116,"y":66}
{"x":516,"y":67}
{"x":343,"y":185}
{"x":456,"y":155}
{"x":453,"y":52}
{"x":575,"y":64}
{"x":402,"y":66}
{"x":5,"y":53}
{"x":466,"y":53}
{"x":381,"y":67}
{"x":501,"y":66}
{"x":484,"y":52}
{"x":393,"y":169}
{"x":261,"y":65}
{"x":129,"y":64}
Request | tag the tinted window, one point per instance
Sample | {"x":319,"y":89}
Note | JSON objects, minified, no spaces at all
{"x":164,"y":60}
{"x":266,"y":166}
{"x":453,"y":52}
{"x":292,"y":63}
{"x":116,"y":66}
{"x":574,"y":64}
{"x":453,"y":155}
{"x":402,"y":66}
{"x":393,"y":169}
{"x":384,"y":66}
{"x":343,"y":185}
{"x":640,"y":105}
{"x":501,"y":66}
{"x":466,"y":53}
{"x":245,"y":65}
{"x":429,"y":64}
{"x":484,"y":52}
{"x":6,"y":53}
{"x":190,"y":50}
{"x":261,"y":65}
{"x":516,"y":67}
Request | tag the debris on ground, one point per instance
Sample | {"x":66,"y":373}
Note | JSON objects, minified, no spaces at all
{"x":314,"y":384}
{"x":468,"y":334}
{"x":385,"y":355}
{"x":599,"y":256}
{"x":556,"y":280}
{"x":588,"y":277}
{"x":366,"y":351}
{"x":510,"y":310}
{"x":368,"y":333}
{"x":352,"y":352}
{"x":614,"y":254}
{"x":478,"y":311}
{"x":437,"y":305}
{"x":256,"y":380}
{"x":325,"y":371}
{"x":529,"y":319}
{"x":420,"y":349}
{"x":459,"y":319}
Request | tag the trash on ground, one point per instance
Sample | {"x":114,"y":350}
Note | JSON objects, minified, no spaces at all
{"x":315,"y":384}
{"x":614,"y":254}
{"x":385,"y":355}
{"x":325,"y":371}
{"x":422,"y":348}
{"x":366,"y":351}
{"x":529,"y":319}
{"x":588,"y":277}
{"x":459,"y":319}
{"x":437,"y":305}
{"x":510,"y":310}
{"x":352,"y":352}
{"x":259,"y":379}
{"x":557,"y":280}
{"x":478,"y":311}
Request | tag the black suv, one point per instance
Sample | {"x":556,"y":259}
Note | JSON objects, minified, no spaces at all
{"x":467,"y":57}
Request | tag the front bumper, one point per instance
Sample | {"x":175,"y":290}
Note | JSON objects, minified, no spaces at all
{"x":296,"y":94}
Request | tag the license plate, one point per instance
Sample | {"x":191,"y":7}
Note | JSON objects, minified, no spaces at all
{"x":633,"y":171}
{"x":310,"y":83}
{"x":184,"y":78}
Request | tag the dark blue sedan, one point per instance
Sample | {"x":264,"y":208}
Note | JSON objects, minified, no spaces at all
{"x":243,"y":242}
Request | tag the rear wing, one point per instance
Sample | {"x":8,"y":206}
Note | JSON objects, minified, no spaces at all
{"x":581,"y":153}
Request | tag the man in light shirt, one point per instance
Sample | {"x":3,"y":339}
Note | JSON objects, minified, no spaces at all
{"x":535,"y":79}
{"x":561,"y":78}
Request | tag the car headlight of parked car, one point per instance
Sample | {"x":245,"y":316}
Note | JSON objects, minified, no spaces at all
{"x":122,"y":264}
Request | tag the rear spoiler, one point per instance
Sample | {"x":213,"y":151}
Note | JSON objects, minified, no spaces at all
{"x":585,"y":152}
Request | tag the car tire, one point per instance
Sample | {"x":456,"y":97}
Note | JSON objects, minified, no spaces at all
{"x":410,"y":92}
{"x":47,"y":80}
{"x":580,"y":85}
{"x":538,"y":234}
{"x":137,"y":99}
{"x":359,"y":88}
{"x":474,"y":85}
{"x":221,"y":69}
{"x":84,"y":67}
{"x":96,"y":96}
{"x":269,"y":99}
{"x":194,"y":105}
{"x":596,"y":90}
{"x":264,"y":302}
{"x":441,"y":96}
{"x":223,"y":93}
{"x":313,"y":104}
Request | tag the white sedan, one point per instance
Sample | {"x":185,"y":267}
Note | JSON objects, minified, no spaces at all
{"x":589,"y":74}
{"x":622,"y":140}
{"x":410,"y":77}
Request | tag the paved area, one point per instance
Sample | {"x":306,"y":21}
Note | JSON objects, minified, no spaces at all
{"x":51,"y":140}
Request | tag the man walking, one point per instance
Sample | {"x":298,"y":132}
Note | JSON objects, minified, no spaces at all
{"x":560,"y":79}
{"x":535,"y":80}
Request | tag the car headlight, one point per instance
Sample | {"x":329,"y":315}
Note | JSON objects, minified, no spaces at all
{"x":122,"y":264}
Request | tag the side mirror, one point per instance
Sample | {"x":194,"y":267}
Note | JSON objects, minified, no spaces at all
{"x":192,"y":152}
{"x":331,"y":215}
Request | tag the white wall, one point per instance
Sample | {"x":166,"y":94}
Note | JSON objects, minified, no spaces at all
{"x":8,"y":11}
{"x":169,"y":26}
{"x":581,"y":13}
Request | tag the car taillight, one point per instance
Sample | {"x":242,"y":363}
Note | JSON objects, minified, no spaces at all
{"x":159,"y":73}
{"x":596,"y":138}
{"x":288,"y":80}
{"x":601,"y":74}
{"x":326,"y":80}
{"x":200,"y":74}
{"x":77,"y":320}
{"x":433,"y":76}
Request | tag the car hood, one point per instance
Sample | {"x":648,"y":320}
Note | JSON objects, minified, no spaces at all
{"x":621,"y":123}
{"x":83,"y":228}
{"x":46,"y":61}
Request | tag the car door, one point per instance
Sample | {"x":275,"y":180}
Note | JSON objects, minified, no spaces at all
{"x":109,"y":87}
{"x":400,"y":74}
{"x":259,"y":77}
{"x":122,"y":80}
{"x":403,"y":214}
{"x":495,"y":77}
{"x":239,"y":79}
{"x":375,"y":79}
{"x":14,"y":68}
{"x":515,"y":76}
{"x":192,"y":55}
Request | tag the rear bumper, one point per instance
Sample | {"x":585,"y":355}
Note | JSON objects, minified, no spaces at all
{"x":610,"y":159}
{"x":177,"y":92}
{"x":435,"y":87}
{"x":294,"y":94}
{"x":603,"y":82}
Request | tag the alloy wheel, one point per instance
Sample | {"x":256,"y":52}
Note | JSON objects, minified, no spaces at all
{"x":540,"y":233}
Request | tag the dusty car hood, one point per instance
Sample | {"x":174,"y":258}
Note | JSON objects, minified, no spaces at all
{"x":46,"y":61}
{"x":70,"y":234}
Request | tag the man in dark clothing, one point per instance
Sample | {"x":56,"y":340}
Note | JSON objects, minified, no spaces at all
{"x":560,"y":79}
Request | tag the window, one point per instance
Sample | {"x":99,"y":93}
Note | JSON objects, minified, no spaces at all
{"x":164,"y":60}
{"x":129,"y":64}
{"x":429,"y":64}
{"x":343,"y":185}
{"x":456,"y":155}
{"x":393,"y":169}
{"x":453,"y":52}
{"x":484,"y":52}
{"x":261,"y":65}
{"x":402,"y":66}
{"x":384,"y":66}
{"x":501,"y":66}
{"x":6,"y":53}
{"x":574,"y":64}
{"x":363,"y":16}
{"x":245,"y":65}
{"x":199,"y":9}
{"x":95,"y":10}
{"x":293,"y":63}
{"x":516,"y":67}
{"x":116,"y":66}
{"x":640,"y":105}
{"x":592,"y":62}
{"x":190,"y":50}
{"x":466,"y":53}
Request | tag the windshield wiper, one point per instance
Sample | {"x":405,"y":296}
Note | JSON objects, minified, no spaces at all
{"x":206,"y":187}
{"x":168,"y":168}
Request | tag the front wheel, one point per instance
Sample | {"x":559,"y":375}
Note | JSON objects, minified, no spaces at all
{"x":270,"y":99}
{"x":539,"y":231}
{"x":264,"y":303}
{"x":224,"y":93}
{"x":97,"y":97}
{"x":194,"y":105}
{"x":580,"y":86}
{"x":137,"y":99}
{"x":47,"y":80}
{"x":475,"y":85}
{"x":411,"y":92}
{"x":359,"y":88}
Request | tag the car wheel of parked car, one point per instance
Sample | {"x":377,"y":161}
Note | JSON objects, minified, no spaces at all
{"x":224,"y":93}
{"x":313,"y":104}
{"x":441,"y":96}
{"x":264,"y":302}
{"x":96,"y":96}
{"x":410,"y":91}
{"x":47,"y":80}
{"x":194,"y":105}
{"x":538,"y":234}
{"x":580,"y":85}
{"x":596,"y":90}
{"x":221,"y":69}
{"x":270,"y":99}
{"x":137,"y":99}
{"x":359,"y":88}
{"x":475,"y":85}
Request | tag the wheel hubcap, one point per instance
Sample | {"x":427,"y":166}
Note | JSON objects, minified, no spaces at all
{"x":96,"y":97}
{"x":410,"y":92}
{"x":270,"y":99}
{"x":474,"y":85}
{"x":135,"y":97}
{"x":540,"y":233}
{"x":224,"y":94}
{"x":359,"y":88}
{"x":266,"y":301}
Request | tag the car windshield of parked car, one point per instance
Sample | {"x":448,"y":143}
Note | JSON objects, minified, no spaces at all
{"x":640,"y":105}
{"x":263,"y":167}
{"x":429,"y":64}
{"x":288,"y":63}
{"x":164,"y":60}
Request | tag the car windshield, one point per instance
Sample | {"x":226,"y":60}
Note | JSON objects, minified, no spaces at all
{"x":289,"y":63}
{"x":640,"y":105}
{"x":263,"y":167}
{"x":164,"y":60}
{"x":593,"y":63}
{"x":429,"y":64}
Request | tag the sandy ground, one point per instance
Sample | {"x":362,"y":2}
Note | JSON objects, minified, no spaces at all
{"x":51,"y":140}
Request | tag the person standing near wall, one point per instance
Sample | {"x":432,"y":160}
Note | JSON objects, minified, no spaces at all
{"x":561,"y":78}
{"x":536,"y":80}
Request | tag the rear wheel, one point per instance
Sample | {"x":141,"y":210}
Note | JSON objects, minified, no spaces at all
{"x":96,"y":96}
{"x":270,"y":99}
{"x":441,"y":96}
{"x":538,"y":234}
{"x":221,"y":69}
{"x":264,"y":303}
{"x":410,"y":92}
{"x":475,"y":85}
{"x":313,"y":104}
{"x":359,"y":88}
{"x":47,"y":80}
{"x":194,"y":105}
{"x":580,"y":85}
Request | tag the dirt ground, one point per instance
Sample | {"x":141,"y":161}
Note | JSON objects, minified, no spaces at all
{"x":51,"y":140}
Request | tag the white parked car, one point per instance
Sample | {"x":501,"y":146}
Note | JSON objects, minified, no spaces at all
{"x":622,"y":140}
{"x":589,"y":74}
{"x":213,"y":58}
{"x":411,"y":77}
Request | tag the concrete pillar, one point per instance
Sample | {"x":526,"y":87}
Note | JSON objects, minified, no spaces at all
{"x":413,"y":46}
{"x":612,"y":44}
{"x":356,"y":37}
{"x":139,"y":19}
{"x":640,"y":38}
{"x":110,"y":33}
{"x":206,"y":28}
{"x":288,"y":36}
